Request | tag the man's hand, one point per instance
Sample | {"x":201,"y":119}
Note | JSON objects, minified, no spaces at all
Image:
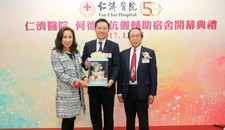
{"x":150,"y":99}
{"x":110,"y":83}
{"x":87,"y":64}
{"x":120,"y":98}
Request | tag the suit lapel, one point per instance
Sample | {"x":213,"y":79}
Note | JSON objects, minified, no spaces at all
{"x":106,"y":46}
{"x":93,"y":46}
{"x":140,"y":58}
{"x":128,"y":59}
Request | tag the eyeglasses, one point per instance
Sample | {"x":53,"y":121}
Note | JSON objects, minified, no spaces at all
{"x":133,"y":36}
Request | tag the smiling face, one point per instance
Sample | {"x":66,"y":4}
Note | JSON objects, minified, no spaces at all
{"x":135,"y":38}
{"x":67,"y":40}
{"x":101,"y":30}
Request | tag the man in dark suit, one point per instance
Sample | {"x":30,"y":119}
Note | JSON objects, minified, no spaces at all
{"x":102,"y":97}
{"x":137,"y":83}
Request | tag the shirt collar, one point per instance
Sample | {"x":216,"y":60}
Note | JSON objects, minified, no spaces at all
{"x":137,"y":49}
{"x":103,"y":41}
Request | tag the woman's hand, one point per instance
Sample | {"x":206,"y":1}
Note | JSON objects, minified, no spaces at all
{"x":83,"y":83}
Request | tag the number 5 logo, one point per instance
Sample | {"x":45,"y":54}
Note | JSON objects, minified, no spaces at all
{"x":151,"y":9}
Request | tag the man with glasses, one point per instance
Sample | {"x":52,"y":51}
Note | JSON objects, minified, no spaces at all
{"x":137,"y":83}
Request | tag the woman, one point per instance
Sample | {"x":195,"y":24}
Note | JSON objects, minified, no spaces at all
{"x":70,"y":78}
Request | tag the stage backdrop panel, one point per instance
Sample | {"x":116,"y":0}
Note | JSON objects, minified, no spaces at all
{"x":187,"y":36}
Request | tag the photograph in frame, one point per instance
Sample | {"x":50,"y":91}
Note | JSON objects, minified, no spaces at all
{"x":98,"y":72}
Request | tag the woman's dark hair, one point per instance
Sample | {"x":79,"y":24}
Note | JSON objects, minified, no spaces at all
{"x":133,"y":29}
{"x":102,"y":20}
{"x":59,"y":37}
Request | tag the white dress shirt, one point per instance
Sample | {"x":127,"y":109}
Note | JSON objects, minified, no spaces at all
{"x":138,"y":51}
{"x":98,"y":45}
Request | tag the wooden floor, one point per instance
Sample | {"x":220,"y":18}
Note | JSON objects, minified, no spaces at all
{"x":196,"y":127}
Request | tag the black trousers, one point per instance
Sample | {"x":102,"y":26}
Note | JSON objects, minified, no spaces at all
{"x":132,"y":106}
{"x":98,"y":103}
{"x":68,"y":123}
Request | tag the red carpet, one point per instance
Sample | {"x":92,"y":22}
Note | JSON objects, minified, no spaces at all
{"x":196,"y":127}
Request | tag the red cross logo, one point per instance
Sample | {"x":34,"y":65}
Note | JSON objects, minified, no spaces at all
{"x":87,"y":6}
{"x":87,"y":9}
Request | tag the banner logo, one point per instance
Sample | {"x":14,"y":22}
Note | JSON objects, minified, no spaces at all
{"x":150,"y":8}
{"x":87,"y":9}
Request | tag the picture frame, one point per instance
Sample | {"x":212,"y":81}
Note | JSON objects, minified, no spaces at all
{"x":98,"y":72}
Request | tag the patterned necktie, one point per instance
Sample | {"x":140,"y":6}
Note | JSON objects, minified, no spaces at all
{"x":133,"y":67}
{"x":100,"y":47}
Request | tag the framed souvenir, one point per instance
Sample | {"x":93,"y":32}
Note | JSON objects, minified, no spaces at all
{"x":98,"y":72}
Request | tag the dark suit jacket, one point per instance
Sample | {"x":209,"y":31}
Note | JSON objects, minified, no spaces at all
{"x":146,"y":75}
{"x":113,"y":63}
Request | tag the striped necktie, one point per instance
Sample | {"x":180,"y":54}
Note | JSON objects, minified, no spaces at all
{"x":100,"y":47}
{"x":133,"y":67}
